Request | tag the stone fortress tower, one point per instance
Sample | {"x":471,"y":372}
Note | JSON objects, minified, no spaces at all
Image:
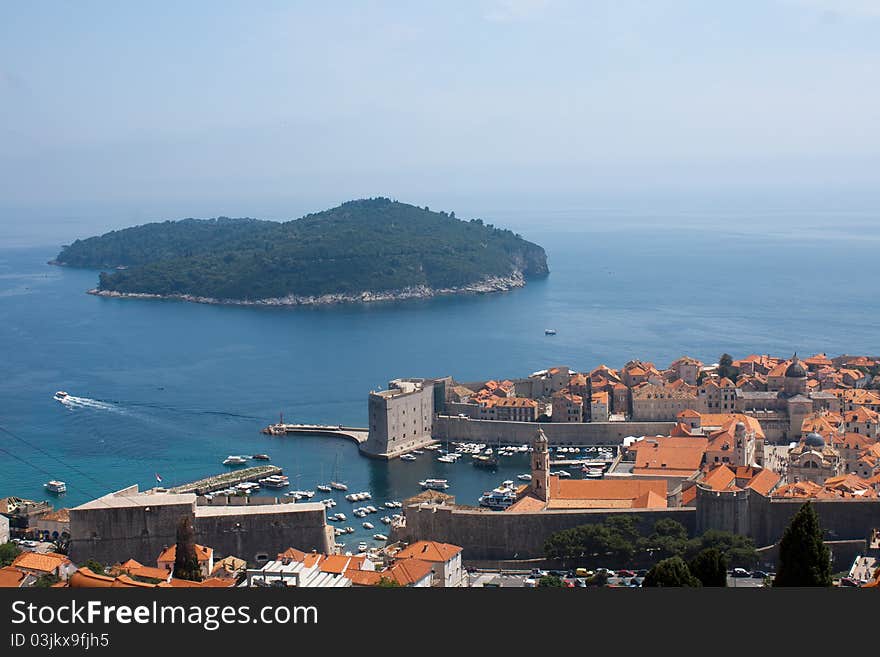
{"x":540,"y":484}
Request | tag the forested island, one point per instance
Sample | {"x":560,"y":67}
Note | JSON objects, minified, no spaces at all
{"x":364,"y":250}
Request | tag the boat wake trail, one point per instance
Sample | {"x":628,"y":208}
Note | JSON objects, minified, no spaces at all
{"x":84,"y":402}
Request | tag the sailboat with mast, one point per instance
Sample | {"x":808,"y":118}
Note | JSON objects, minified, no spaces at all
{"x":324,"y":488}
{"x":336,"y":484}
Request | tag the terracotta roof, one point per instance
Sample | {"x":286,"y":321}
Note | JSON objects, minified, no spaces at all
{"x":764,"y":482}
{"x":170,"y":554}
{"x":85,"y":578}
{"x":407,"y":572}
{"x":61,"y":515}
{"x":429,"y":551}
{"x":528,"y":504}
{"x":363,"y":577}
{"x":669,"y":456}
{"x":720,"y":478}
{"x":11,"y":578}
{"x":291,"y":553}
{"x":45,"y":563}
{"x":335,"y":563}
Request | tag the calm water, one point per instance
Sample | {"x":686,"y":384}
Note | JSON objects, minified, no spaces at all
{"x":173,"y":388}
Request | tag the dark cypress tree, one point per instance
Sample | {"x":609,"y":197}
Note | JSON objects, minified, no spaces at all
{"x":710,"y":567}
{"x":804,"y":560}
{"x":670,"y":572}
{"x":186,"y":562}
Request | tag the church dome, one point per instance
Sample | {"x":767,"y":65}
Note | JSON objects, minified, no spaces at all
{"x":795,"y":370}
{"x":814,"y":440}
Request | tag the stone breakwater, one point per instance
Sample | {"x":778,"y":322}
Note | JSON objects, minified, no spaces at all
{"x":484,"y":286}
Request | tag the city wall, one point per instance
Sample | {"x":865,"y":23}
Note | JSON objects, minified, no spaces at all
{"x":559,"y":433}
{"x":131,"y":525}
{"x":764,"y":519}
{"x":493,"y":535}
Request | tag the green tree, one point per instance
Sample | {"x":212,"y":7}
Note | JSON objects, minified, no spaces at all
{"x":95,"y":567}
{"x":739,"y":550}
{"x":668,"y":539}
{"x":726,"y":368}
{"x":8,"y":553}
{"x":186,"y":562}
{"x":46,"y":581}
{"x":551,"y":581}
{"x":804,"y":560}
{"x":710,"y":567}
{"x":388,"y":583}
{"x":670,"y":572}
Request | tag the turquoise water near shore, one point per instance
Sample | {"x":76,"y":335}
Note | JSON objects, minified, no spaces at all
{"x":173,"y":388}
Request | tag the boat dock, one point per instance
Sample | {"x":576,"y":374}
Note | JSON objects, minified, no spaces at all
{"x":227,"y":479}
{"x":357,"y":434}
{"x":597,"y":463}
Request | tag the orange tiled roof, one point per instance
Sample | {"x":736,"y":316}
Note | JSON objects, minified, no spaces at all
{"x":429,"y":551}
{"x":363,"y":577}
{"x":45,"y":563}
{"x":170,"y":554}
{"x":409,"y":571}
{"x":669,"y":456}
{"x":10,"y":578}
{"x":335,"y":563}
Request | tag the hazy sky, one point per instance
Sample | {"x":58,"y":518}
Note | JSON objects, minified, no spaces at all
{"x":161,"y":110}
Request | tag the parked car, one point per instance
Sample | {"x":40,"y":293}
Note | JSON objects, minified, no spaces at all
{"x":626,"y":573}
{"x":530,"y":582}
{"x":740,"y":572}
{"x":759,"y":574}
{"x":583,"y":572}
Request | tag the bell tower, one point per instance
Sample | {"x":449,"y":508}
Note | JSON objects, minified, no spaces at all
{"x":540,"y":485}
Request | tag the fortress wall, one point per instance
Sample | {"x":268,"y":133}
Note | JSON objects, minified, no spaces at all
{"x":115,"y":534}
{"x":765,"y":519}
{"x":505,"y":535}
{"x":583,"y":433}
{"x":249,"y":535}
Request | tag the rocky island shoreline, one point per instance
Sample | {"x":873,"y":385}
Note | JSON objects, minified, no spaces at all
{"x":488,"y":285}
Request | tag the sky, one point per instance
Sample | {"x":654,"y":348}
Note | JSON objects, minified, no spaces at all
{"x":113,"y":114}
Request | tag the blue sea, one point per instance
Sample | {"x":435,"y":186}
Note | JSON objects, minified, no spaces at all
{"x":172,"y":388}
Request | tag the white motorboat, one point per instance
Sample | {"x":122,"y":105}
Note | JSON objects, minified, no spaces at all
{"x":549,"y":331}
{"x":234,"y":460}
{"x":434,"y":484}
{"x":60,"y":396}
{"x":56,"y":486}
{"x":499,"y":498}
{"x":407,"y":457}
{"x":324,"y":488}
{"x":524,"y":477}
{"x":385,"y":520}
{"x":380,"y":537}
{"x":367,"y":525}
{"x":362,"y":547}
{"x":336,"y":485}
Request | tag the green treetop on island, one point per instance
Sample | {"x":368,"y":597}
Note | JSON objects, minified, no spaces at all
{"x":370,"y":245}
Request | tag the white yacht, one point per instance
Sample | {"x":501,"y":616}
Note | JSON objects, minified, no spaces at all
{"x":324,"y":488}
{"x":368,"y":525}
{"x":385,"y":520}
{"x":407,"y":457}
{"x":56,"y":486}
{"x":336,"y":485}
{"x":499,"y":498}
{"x":380,"y":537}
{"x":434,"y":484}
{"x":362,"y":546}
{"x":524,"y":477}
{"x":234,"y":460}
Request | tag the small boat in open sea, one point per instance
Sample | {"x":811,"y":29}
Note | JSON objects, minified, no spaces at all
{"x":55,"y":486}
{"x":549,"y":331}
{"x":60,"y":395}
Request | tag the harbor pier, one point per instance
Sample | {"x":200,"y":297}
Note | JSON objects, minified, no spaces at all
{"x":227,"y":479}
